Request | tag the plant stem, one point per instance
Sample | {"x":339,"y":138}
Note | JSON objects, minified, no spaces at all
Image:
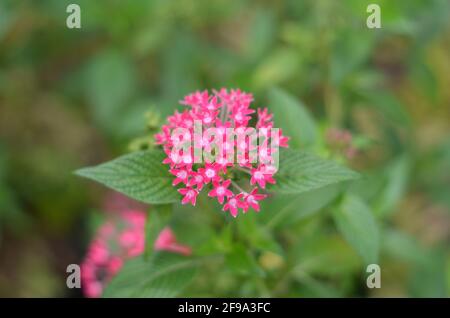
{"x":243,"y":169}
{"x":237,"y":186}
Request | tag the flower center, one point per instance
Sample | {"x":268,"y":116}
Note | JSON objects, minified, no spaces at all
{"x":258,"y":175}
{"x":210,"y":173}
{"x":187,"y":159}
{"x":190,"y":193}
{"x":220,"y":190}
{"x":182,"y":174}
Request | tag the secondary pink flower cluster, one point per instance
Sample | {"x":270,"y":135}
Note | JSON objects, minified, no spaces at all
{"x":341,"y":141}
{"x":221,"y":110}
{"x":117,"y":240}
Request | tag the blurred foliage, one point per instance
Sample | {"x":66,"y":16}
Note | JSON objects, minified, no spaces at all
{"x":72,"y":97}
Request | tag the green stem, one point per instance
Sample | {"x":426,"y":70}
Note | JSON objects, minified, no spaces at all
{"x":157,"y":219}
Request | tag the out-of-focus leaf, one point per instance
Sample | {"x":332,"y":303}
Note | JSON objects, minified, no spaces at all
{"x":11,"y":216}
{"x":429,"y":280}
{"x":350,"y":51}
{"x":110,"y":84}
{"x":424,"y":78}
{"x":426,"y":267}
{"x":293,"y":117}
{"x":397,"y":180}
{"x":300,"y":172}
{"x":140,"y":175}
{"x":355,"y":221}
{"x":282,"y":210}
{"x":368,"y":187}
{"x":314,"y":254}
{"x":261,"y":34}
{"x":179,"y":75}
{"x":257,"y":236}
{"x":314,"y":288}
{"x":403,"y":247}
{"x":280,"y":66}
{"x":240,"y":261}
{"x":389,"y":106}
{"x":157,"y":219}
{"x":6,"y":19}
{"x":164,"y":275}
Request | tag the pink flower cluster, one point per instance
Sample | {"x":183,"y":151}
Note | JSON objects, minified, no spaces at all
{"x":116,"y":241}
{"x":221,"y":110}
{"x":341,"y":141}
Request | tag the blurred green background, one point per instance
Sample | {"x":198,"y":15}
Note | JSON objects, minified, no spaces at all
{"x":74,"y":97}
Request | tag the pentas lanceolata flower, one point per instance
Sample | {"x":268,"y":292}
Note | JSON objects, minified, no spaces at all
{"x":211,"y":145}
{"x":341,"y":141}
{"x":117,"y":240}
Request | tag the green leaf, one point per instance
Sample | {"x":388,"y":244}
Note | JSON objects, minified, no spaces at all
{"x":165,"y":275}
{"x":293,"y":117}
{"x":300,"y":171}
{"x":285,"y":210}
{"x":397,"y":176}
{"x":278,"y":67}
{"x":256,"y":235}
{"x":140,"y":175}
{"x":355,"y":221}
{"x":389,"y":106}
{"x":241,"y":261}
{"x":349,"y":54}
{"x":261,"y":35}
{"x":109,"y":85}
{"x":403,"y":247}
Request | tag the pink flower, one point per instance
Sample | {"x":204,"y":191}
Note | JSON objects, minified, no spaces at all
{"x":233,"y":204}
{"x":98,"y":252}
{"x":251,"y":199}
{"x":180,"y":174}
{"x":283,"y":140}
{"x":222,"y":110}
{"x":341,"y":142}
{"x":190,"y":195}
{"x":118,"y":239}
{"x":196,"y":179}
{"x":264,"y":118}
{"x":210,"y":172}
{"x":221,"y":191}
{"x":260,"y":177}
{"x":167,"y":241}
{"x":115,"y":264}
{"x":93,"y":290}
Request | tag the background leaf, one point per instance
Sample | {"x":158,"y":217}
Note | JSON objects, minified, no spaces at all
{"x":293,"y":117}
{"x":283,"y":210}
{"x":240,"y":261}
{"x":165,"y":275}
{"x":140,"y":175}
{"x":355,"y":221}
{"x":300,"y":171}
{"x":110,"y":84}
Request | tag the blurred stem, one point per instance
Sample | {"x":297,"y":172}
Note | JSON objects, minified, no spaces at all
{"x":243,"y":169}
{"x":238,"y":187}
{"x":333,"y":105}
{"x":156,"y":221}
